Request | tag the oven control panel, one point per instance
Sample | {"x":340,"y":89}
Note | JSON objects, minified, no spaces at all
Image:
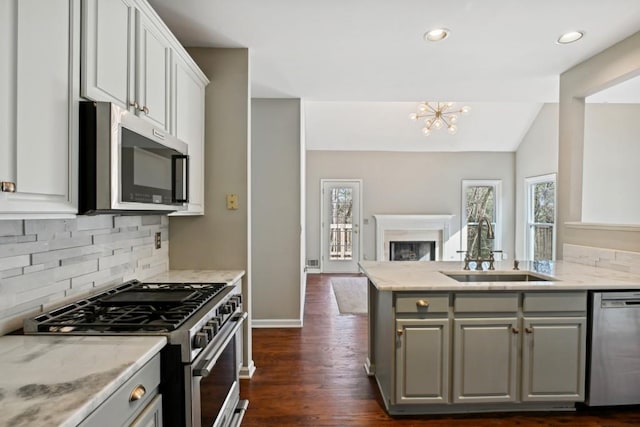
{"x":213,"y":325}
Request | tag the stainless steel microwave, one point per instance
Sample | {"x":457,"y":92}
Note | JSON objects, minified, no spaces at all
{"x":127,"y":164}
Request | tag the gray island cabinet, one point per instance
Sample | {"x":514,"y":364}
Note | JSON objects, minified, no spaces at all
{"x":476,"y":347}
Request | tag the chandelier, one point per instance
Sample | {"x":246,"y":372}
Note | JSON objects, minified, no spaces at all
{"x":437,"y":115}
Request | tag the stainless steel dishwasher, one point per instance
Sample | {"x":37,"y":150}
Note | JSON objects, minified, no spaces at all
{"x":614,"y":367}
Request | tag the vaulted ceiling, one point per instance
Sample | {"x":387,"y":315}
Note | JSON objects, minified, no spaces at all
{"x":361,"y":66}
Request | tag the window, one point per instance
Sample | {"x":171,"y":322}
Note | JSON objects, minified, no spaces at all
{"x":481,"y":199}
{"x":541,"y":217}
{"x":341,"y":224}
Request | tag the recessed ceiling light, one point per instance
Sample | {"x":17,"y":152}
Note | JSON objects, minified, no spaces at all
{"x":570,"y":37}
{"x":436,"y":34}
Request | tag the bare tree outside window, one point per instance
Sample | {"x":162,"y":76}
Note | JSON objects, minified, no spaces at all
{"x":542,"y":197}
{"x":480,"y":202}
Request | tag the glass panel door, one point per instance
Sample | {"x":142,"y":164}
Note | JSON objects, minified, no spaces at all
{"x":340,"y":226}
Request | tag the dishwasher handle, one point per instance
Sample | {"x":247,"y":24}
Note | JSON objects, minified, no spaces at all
{"x":620,"y":303}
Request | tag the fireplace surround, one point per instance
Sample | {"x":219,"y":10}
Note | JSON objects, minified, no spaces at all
{"x":414,"y":228}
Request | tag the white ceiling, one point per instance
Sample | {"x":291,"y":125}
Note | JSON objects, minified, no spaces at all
{"x":350,"y":58}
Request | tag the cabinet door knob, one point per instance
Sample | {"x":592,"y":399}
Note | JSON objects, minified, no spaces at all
{"x":422,"y":303}
{"x":400,"y":332}
{"x":134,"y":105}
{"x":528,"y":330}
{"x":137,"y":393}
{"x":7,"y":187}
{"x":145,"y":109}
{"x":515,"y":330}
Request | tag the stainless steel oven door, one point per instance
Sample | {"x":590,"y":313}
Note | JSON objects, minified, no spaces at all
{"x":213,"y":379}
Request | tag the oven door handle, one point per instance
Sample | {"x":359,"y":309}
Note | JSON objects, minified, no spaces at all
{"x":204,"y":369}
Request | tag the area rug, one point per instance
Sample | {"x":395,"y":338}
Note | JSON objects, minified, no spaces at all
{"x":351,"y":294}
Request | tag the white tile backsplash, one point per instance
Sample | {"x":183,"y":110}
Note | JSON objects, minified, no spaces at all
{"x":603,"y":258}
{"x":47,"y":262}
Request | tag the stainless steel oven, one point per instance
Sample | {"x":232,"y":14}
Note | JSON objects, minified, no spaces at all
{"x":214,"y":378}
{"x":203,"y":325}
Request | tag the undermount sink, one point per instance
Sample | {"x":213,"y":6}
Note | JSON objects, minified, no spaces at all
{"x":496,"y":277}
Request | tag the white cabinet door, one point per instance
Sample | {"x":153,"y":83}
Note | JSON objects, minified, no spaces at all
{"x":188,"y":125}
{"x":553,"y":358}
{"x":7,"y":85}
{"x":485,"y":360}
{"x":42,"y":123}
{"x":422,"y":361}
{"x":126,"y":59}
{"x":108,"y":29}
{"x":153,"y":56}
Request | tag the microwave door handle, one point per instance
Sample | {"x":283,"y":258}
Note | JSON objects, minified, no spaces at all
{"x":185,"y":178}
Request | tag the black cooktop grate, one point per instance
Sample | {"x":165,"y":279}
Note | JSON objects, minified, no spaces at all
{"x":131,"y":307}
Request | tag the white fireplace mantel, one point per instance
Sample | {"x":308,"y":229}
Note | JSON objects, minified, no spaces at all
{"x":416,"y":224}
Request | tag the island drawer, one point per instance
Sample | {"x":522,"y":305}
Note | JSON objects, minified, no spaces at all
{"x":482,"y":302}
{"x":554,"y":301}
{"x":422,"y":303}
{"x":122,"y":404}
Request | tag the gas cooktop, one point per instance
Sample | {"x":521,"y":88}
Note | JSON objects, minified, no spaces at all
{"x":133,"y":307}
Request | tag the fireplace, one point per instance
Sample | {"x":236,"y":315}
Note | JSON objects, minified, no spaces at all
{"x":409,"y":231}
{"x":412,"y":251}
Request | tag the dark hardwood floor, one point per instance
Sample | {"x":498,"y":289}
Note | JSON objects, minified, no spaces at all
{"x":314,"y":376}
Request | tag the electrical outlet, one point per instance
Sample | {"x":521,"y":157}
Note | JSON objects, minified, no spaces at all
{"x":158,"y":240}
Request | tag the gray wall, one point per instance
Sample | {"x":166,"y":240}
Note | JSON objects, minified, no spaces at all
{"x":275,"y":216}
{"x":407,"y":183}
{"x":611,"y":66}
{"x":219,"y":239}
{"x":611,"y":144}
{"x":537,"y":155}
{"x":44,"y":263}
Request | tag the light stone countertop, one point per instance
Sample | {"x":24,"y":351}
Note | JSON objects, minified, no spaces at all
{"x":48,"y":380}
{"x":428,"y":276}
{"x":58,"y":381}
{"x":195,"y":276}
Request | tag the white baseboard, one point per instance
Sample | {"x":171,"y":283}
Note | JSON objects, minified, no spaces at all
{"x":246,"y":372}
{"x":313,"y":270}
{"x":276,"y":323}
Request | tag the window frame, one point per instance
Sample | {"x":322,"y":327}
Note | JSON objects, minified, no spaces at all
{"x":497,"y":225}
{"x":529,"y":183}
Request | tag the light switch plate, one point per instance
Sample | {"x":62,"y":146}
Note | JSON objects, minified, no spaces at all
{"x":232,"y":201}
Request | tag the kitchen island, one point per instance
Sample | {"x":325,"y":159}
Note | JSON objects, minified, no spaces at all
{"x":445,"y":340}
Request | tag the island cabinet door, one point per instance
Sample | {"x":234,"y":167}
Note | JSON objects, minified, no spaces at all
{"x":485,"y":354}
{"x":553,"y":358}
{"x":422,"y":361}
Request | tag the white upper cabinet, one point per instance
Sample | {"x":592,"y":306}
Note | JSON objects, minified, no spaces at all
{"x":153,"y":56}
{"x":130,"y":57}
{"x":125,"y":59}
{"x":188,"y":124}
{"x":108,"y":51}
{"x":38,"y":112}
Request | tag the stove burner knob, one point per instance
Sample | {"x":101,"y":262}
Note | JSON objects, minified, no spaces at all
{"x":226,"y":309}
{"x":200,"y":340}
{"x":214,"y":324}
{"x":210,"y":331}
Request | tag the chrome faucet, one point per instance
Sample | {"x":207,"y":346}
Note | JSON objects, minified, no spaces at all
{"x":490,"y":235}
